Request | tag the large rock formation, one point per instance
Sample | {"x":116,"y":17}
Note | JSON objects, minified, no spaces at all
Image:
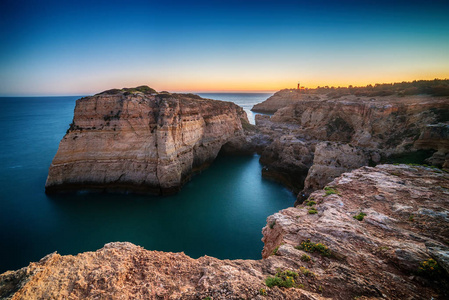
{"x":356,"y":131}
{"x":126,"y":271}
{"x":380,"y":256}
{"x":284,"y":98}
{"x":138,"y":140}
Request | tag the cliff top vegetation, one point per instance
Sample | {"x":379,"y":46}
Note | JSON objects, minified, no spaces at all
{"x":140,"y":89}
{"x":436,"y":87}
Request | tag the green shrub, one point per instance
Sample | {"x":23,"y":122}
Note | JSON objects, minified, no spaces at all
{"x":310,"y":247}
{"x":275,"y":250}
{"x":305,"y":257}
{"x":282,"y":279}
{"x":330,"y":191}
{"x":312,"y":211}
{"x":429,"y":268}
{"x":272,"y":224}
{"x":360,"y":216}
{"x":306,"y":272}
{"x":310,"y":203}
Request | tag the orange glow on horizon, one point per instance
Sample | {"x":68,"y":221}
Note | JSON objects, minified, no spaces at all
{"x":274,"y":87}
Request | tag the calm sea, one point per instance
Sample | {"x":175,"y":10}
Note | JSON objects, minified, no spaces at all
{"x":245,"y":100}
{"x":219,"y":213}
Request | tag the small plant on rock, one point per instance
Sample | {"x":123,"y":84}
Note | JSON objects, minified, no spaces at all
{"x":305,"y":257}
{"x":272,"y":224}
{"x":312,"y":211}
{"x":330,"y":191}
{"x":310,"y":203}
{"x":429,"y":268}
{"x":360,"y":216}
{"x":275,"y":250}
{"x":308,"y":246}
{"x":282,"y":279}
{"x":306,"y":272}
{"x":263,"y":292}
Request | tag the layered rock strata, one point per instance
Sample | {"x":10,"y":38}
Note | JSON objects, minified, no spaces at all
{"x":126,"y":271}
{"x":141,"y":141}
{"x":357,"y":131}
{"x":402,"y":223}
{"x":378,"y":256}
{"x":284,"y":98}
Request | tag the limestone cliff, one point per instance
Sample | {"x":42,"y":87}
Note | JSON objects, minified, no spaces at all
{"x":284,"y":98}
{"x":402,"y":223}
{"x":138,"y":140}
{"x":357,"y":131}
{"x":370,"y":233}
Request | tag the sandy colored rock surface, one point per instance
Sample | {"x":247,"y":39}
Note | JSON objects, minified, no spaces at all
{"x":358,"y":131}
{"x":140,"y":142}
{"x":406,"y":223}
{"x":378,"y":257}
{"x":126,"y":271}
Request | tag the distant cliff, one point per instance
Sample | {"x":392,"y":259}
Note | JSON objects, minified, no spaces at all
{"x":141,"y":141}
{"x":316,"y":137}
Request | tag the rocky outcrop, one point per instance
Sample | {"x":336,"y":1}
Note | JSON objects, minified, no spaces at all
{"x":284,"y":98}
{"x":140,"y":141}
{"x":331,"y":159}
{"x":436,"y":136}
{"x":126,"y":271}
{"x":360,"y":130}
{"x":402,"y":222}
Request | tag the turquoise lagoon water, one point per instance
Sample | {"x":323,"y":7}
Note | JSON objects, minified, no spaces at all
{"x":219,"y":213}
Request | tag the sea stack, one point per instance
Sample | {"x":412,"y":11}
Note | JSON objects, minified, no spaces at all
{"x":138,"y":140}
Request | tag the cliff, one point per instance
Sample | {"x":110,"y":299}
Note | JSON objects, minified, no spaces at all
{"x":396,"y":249}
{"x":319,"y":139}
{"x":378,"y":232}
{"x":284,"y":98}
{"x":140,"y":141}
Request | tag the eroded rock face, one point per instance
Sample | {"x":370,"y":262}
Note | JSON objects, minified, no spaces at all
{"x":126,"y":271}
{"x":357,"y":130}
{"x":331,"y":159}
{"x":406,"y":223}
{"x":284,"y":98}
{"x":141,"y":142}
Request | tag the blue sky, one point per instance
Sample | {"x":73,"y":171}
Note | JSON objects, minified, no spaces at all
{"x":84,"y":47}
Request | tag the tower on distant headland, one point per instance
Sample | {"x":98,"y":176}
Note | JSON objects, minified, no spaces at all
{"x":298,"y":85}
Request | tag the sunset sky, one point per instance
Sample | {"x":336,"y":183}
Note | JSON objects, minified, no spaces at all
{"x":84,"y":47}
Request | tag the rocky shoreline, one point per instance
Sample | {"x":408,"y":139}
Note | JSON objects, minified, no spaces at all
{"x":324,"y":245}
{"x":317,"y":138}
{"x":357,"y":230}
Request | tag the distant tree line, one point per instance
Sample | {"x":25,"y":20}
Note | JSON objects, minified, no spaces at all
{"x":436,"y":87}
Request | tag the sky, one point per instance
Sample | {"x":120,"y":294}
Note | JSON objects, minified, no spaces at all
{"x":84,"y":47}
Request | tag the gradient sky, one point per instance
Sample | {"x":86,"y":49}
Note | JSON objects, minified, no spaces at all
{"x":84,"y":47}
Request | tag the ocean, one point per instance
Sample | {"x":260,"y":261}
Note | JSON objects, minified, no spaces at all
{"x":245,"y":100}
{"x":219,"y":213}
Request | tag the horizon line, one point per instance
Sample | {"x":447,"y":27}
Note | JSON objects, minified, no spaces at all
{"x":173,"y":92}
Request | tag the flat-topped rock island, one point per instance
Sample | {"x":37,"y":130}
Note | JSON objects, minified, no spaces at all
{"x":141,"y":141}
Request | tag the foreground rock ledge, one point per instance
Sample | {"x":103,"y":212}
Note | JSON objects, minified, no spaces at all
{"x":141,"y":141}
{"x":406,"y":223}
